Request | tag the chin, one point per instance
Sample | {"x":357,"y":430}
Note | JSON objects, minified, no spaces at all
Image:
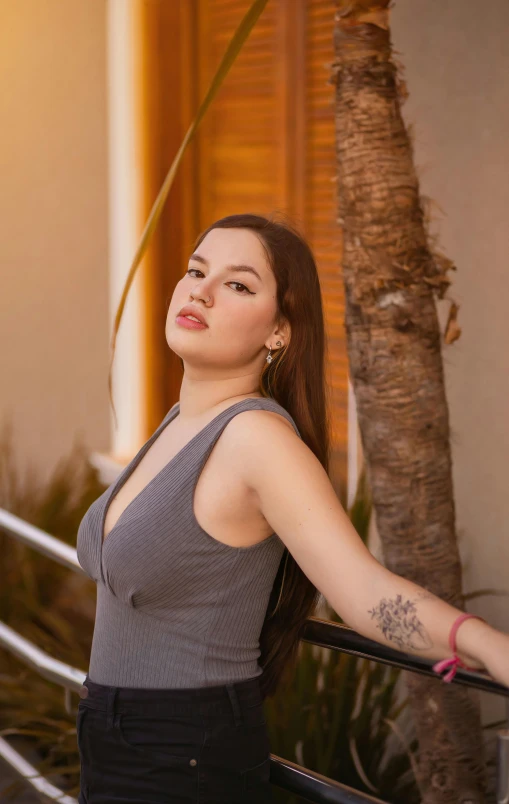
{"x":176,"y":339}
{"x":183,"y":344}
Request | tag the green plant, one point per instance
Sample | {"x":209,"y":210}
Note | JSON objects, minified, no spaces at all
{"x":46,"y":603}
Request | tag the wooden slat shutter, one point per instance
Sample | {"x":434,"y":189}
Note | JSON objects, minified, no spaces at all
{"x":239,"y":163}
{"x":266,"y":143}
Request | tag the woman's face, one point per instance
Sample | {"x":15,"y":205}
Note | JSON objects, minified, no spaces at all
{"x":238,"y":306}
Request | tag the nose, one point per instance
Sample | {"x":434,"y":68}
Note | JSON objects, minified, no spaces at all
{"x":199,"y":294}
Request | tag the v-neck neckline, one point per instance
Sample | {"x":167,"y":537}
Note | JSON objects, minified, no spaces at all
{"x":124,"y":475}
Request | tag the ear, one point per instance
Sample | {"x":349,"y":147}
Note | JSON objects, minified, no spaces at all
{"x":280,"y":333}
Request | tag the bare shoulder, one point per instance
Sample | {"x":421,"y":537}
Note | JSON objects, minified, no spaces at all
{"x":258,"y":438}
{"x":249,"y":424}
{"x":261,"y":421}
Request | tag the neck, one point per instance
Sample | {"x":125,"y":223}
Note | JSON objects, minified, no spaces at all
{"x":200,"y":397}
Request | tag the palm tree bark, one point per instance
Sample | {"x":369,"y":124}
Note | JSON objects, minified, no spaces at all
{"x":391,"y":278}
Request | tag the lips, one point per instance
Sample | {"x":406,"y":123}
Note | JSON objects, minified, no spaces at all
{"x":190,"y":310}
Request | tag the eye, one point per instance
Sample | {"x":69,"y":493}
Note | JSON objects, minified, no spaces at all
{"x":245,"y":289}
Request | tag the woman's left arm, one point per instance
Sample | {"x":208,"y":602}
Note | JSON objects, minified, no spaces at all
{"x":298,"y":500}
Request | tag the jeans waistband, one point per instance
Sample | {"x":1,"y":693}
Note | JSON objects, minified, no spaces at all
{"x":222,"y":699}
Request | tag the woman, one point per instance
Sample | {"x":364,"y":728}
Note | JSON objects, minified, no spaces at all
{"x":209,"y":560}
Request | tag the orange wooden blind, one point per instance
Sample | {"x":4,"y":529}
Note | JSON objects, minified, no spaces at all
{"x":239,"y":143}
{"x":266,"y":143}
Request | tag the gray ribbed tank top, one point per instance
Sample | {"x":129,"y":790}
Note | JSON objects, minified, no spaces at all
{"x":175,"y":607}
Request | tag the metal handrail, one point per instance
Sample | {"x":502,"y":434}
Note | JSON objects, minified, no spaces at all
{"x":335,"y":636}
{"x":46,"y":666}
{"x":31,"y":776}
{"x":41,"y":541}
{"x":338,"y":636}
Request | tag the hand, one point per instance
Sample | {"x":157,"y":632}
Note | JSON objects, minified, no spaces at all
{"x":495,"y":656}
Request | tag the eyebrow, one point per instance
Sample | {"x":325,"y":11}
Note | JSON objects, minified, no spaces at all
{"x":238,"y":268}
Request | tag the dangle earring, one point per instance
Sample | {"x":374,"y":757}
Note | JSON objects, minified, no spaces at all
{"x":269,"y":357}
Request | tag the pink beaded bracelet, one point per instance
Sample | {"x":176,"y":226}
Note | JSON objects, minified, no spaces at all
{"x":454,"y":661}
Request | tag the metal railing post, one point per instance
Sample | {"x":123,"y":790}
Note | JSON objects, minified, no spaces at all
{"x":503,"y":766}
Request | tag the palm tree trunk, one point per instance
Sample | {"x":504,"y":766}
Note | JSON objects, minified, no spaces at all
{"x":394,"y":346}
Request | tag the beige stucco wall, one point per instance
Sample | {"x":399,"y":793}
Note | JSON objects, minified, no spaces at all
{"x":457,"y":68}
{"x":53,"y":226}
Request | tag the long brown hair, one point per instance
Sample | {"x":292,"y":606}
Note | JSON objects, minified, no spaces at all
{"x":296,"y":379}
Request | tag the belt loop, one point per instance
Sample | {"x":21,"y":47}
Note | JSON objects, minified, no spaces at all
{"x":234,"y":700}
{"x":110,"y":706}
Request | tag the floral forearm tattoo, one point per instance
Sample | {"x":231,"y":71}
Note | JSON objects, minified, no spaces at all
{"x":399,"y":623}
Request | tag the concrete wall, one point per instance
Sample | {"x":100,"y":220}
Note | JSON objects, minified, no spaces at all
{"x":53,"y":226}
{"x":457,"y":70}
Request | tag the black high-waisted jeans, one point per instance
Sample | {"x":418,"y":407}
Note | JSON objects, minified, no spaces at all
{"x":206,"y":745}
